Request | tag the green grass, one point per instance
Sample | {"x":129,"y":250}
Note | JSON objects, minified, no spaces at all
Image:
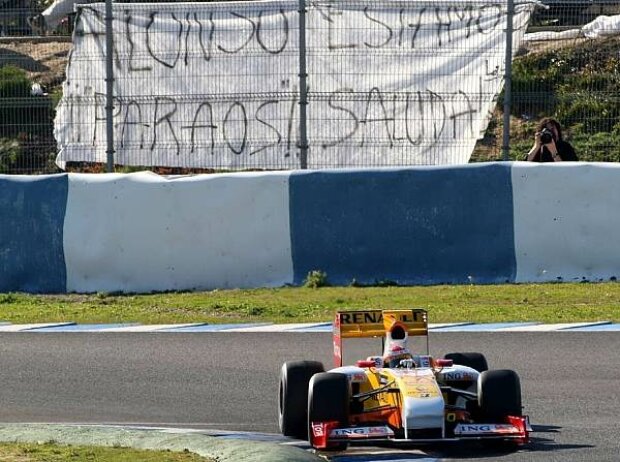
{"x":50,"y":452}
{"x":566,"y":302}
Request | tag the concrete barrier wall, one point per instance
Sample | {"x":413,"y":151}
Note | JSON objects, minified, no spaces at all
{"x":141,"y":232}
{"x":32,"y":211}
{"x":479,"y":223}
{"x":409,"y":226}
{"x":567,"y":218}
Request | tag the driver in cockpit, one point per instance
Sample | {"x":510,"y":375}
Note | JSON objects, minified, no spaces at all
{"x":397,"y":356}
{"x":396,"y":349}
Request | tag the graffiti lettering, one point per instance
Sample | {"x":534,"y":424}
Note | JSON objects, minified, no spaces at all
{"x":415,"y":118}
{"x":381,"y":28}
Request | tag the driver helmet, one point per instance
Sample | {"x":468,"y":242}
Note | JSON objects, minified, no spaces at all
{"x":395,"y":354}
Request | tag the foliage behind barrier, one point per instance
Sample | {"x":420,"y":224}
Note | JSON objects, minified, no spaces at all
{"x":25,"y":124}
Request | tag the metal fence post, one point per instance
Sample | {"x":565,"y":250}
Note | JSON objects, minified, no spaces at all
{"x":109,"y":80}
{"x":303,"y":88}
{"x":508,"y":81}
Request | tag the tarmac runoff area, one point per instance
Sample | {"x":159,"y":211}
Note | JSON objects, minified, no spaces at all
{"x":222,"y":450}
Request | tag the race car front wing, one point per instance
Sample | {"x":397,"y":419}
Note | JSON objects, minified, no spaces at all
{"x":327,"y":434}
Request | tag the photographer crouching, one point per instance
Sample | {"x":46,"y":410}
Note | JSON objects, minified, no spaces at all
{"x":549,"y":145}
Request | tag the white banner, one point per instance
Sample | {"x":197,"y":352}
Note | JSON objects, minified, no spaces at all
{"x":216,"y":85}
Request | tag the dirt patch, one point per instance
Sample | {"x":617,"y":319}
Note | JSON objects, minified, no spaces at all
{"x":540,"y":46}
{"x":45,"y":62}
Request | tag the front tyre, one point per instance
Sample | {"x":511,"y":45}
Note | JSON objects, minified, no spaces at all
{"x":293,"y":397}
{"x":499,"y":395}
{"x":328,"y":400}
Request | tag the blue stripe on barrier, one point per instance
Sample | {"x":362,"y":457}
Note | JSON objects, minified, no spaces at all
{"x":212,"y":327}
{"x":484,"y":327}
{"x":82,"y":327}
{"x":599,"y":328}
{"x":327,"y":327}
{"x":32,"y":211}
{"x":408,"y":226}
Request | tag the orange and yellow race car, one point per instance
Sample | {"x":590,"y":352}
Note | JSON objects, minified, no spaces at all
{"x":398,"y":396}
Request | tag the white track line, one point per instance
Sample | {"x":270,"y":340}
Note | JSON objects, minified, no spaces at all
{"x":26,"y":327}
{"x":146,"y":328}
{"x":276,"y":327}
{"x":448,"y":324}
{"x":550,"y":327}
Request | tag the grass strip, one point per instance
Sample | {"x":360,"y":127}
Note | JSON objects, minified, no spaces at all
{"x":549,"y":303}
{"x":52,"y":452}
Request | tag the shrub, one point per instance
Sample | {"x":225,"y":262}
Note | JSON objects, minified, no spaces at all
{"x":535,"y":78}
{"x":13,"y":82}
{"x":595,"y":113}
{"x":575,"y":85}
{"x":316,"y":279}
{"x":579,"y":85}
{"x":599,"y":147}
{"x":26,"y":139}
{"x":20,"y":113}
{"x":10,"y":152}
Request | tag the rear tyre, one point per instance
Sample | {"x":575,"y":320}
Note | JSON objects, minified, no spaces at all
{"x":499,"y":395}
{"x":476,"y":361}
{"x":328,"y":400}
{"x":293,"y":397}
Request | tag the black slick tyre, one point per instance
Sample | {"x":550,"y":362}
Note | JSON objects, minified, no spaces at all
{"x":499,"y":395}
{"x":293,"y":397}
{"x":328,"y":400}
{"x":476,"y":361}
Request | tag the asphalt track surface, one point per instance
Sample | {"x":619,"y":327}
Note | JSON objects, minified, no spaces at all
{"x":570,"y":381}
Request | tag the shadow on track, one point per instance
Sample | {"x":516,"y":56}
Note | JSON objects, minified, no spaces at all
{"x":475,"y":450}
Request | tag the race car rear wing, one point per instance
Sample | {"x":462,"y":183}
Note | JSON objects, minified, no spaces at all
{"x":375,"y":323}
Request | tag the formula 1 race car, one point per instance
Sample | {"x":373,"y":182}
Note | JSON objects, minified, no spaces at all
{"x":398,"y":397}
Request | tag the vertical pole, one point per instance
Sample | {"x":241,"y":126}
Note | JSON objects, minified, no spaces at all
{"x":303,"y":88}
{"x":508,"y":81}
{"x":109,"y":80}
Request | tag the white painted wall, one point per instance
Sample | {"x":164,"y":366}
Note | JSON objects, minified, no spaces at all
{"x":141,"y":232}
{"x":567,"y":221}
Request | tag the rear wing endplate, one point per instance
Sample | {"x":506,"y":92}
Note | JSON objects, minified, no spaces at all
{"x":375,"y":323}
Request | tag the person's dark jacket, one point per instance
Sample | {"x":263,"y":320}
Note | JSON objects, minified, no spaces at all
{"x":565,"y":151}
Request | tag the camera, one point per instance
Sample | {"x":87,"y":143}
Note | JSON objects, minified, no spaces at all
{"x":546,"y":136}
